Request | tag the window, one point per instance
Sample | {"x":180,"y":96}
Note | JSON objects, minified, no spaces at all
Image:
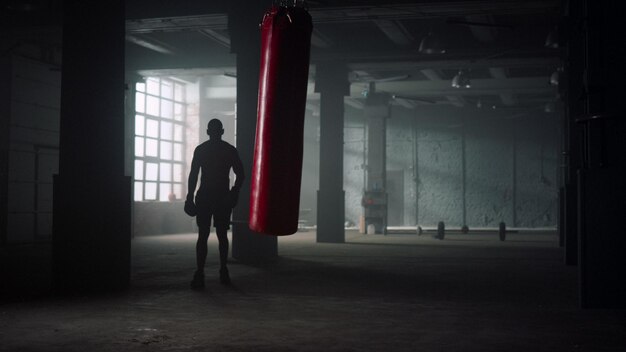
{"x":159,"y":140}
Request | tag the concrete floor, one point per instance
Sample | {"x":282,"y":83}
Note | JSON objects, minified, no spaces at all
{"x":373,"y":293}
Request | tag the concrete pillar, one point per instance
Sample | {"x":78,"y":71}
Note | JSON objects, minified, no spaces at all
{"x":601,"y":187}
{"x":376,"y":114}
{"x":131,"y":78}
{"x":464,"y":172}
{"x":243,"y":24}
{"x":575,"y":107}
{"x":331,"y":81}
{"x":92,"y":198}
{"x":5,"y":121}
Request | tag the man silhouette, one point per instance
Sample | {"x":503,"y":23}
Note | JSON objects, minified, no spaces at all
{"x":214,"y":158}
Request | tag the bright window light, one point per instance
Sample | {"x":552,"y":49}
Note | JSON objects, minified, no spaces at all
{"x":138,"y":191}
{"x":152,"y":147}
{"x":139,"y":147}
{"x":165,"y":172}
{"x":140,"y":103}
{"x":166,"y":130}
{"x":159,"y":140}
{"x":151,"y":191}
{"x":139,"y":170}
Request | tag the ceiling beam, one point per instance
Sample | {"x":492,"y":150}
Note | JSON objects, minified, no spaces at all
{"x":456,"y":100}
{"x":508,"y":99}
{"x":151,"y":44}
{"x":536,"y":85}
{"x":433,"y":75}
{"x":346,"y":14}
{"x":408,"y":104}
{"x":483,"y":33}
{"x":395,"y":31}
{"x":222,"y":39}
{"x":408,"y":66}
{"x":318,"y":39}
{"x":428,"y":10}
{"x":354,"y":102}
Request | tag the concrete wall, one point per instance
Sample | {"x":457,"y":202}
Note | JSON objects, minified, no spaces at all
{"x":34,"y":111}
{"x":510,"y":166}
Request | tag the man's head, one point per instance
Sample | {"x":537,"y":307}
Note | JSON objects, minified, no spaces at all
{"x":215,"y":130}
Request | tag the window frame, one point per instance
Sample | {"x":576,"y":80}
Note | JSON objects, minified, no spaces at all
{"x":174,"y":179}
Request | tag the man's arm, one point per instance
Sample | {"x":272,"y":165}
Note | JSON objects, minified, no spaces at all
{"x":193,"y":176}
{"x":238,"y":170}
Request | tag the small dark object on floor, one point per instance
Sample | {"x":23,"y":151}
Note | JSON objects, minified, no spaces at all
{"x":464,"y":229}
{"x":502,"y":231}
{"x":441,"y":231}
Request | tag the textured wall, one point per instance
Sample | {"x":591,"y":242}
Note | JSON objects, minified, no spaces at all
{"x":489,"y":176}
{"x":33,"y":149}
{"x":432,"y":168}
{"x":439,"y":177}
{"x":537,"y":170}
{"x":352,"y":163}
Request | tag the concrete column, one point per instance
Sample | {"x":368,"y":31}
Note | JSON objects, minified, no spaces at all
{"x":416,"y":169}
{"x":331,"y":81}
{"x":376,"y":114}
{"x":464,"y":171}
{"x":243,"y":23}
{"x":132,"y":78}
{"x":514,"y":176}
{"x":601,"y":187}
{"x":575,"y":107}
{"x":92,"y":198}
{"x":5,"y":123}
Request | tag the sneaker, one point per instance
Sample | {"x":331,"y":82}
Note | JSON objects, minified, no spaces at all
{"x":198,"y":280}
{"x":224,"y":277}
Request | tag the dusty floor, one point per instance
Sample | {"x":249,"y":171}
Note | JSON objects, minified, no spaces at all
{"x":374,"y":293}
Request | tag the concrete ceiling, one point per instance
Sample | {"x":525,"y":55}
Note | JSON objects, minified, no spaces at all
{"x":499,"y":44}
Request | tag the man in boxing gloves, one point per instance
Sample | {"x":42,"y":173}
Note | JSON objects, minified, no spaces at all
{"x":214,"y":158}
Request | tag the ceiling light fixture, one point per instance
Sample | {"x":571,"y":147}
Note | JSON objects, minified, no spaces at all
{"x":431,"y":44}
{"x":461,"y":80}
{"x":556,"y":76}
{"x":552,"y":40}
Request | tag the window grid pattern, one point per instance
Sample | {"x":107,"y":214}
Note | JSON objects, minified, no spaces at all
{"x":159,"y":140}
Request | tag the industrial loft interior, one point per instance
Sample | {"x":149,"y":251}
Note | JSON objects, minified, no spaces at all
{"x":461,"y":184}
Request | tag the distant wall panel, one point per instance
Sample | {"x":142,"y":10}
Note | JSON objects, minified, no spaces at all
{"x":440,"y":176}
{"x":5,"y":117}
{"x":489,"y":178}
{"x":35,"y":94}
{"x":536,"y":189}
{"x":511,"y":166}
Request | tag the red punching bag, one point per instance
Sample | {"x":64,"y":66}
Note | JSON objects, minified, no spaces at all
{"x":277,"y":166}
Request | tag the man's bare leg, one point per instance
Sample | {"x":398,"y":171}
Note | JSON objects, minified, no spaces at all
{"x":222,"y":237}
{"x":201,"y":249}
{"x":201,"y":253}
